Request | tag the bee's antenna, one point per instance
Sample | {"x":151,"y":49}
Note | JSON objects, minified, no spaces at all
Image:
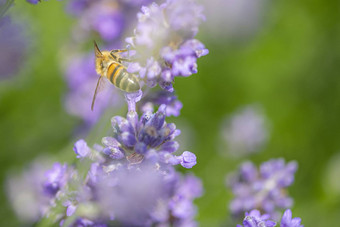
{"x":96,"y":50}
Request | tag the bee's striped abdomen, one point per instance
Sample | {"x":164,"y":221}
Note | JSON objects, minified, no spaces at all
{"x":117,"y":74}
{"x":113,"y":71}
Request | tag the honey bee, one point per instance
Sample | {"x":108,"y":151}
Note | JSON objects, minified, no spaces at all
{"x":109,"y":65}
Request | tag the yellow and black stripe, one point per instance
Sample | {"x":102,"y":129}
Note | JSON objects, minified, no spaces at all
{"x":117,"y":74}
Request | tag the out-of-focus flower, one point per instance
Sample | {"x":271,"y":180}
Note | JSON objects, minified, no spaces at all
{"x":164,"y":42}
{"x":245,"y":132}
{"x":34,"y":193}
{"x":108,"y":18}
{"x":255,"y":219}
{"x":262,"y":189}
{"x":26,"y":193}
{"x":110,"y":191}
{"x":13,"y":46}
{"x":233,"y":18}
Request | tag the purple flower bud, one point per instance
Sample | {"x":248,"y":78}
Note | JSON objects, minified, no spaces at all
{"x":188,"y":159}
{"x":81,"y":149}
{"x":114,"y":152}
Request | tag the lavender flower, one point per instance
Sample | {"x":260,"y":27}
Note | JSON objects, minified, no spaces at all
{"x":56,"y":179}
{"x":262,"y":189}
{"x":42,"y":185}
{"x":111,"y":192}
{"x":246,"y":131}
{"x":162,"y":197}
{"x":13,"y":45}
{"x":32,"y":203}
{"x":164,"y":44}
{"x":131,"y":181}
{"x":110,"y":19}
{"x":149,"y":137}
{"x":255,"y":219}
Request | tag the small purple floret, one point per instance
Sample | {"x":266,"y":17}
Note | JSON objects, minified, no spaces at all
{"x":188,"y":159}
{"x":81,"y":149}
{"x":287,"y":220}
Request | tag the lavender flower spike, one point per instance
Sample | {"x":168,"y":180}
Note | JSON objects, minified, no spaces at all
{"x":262,"y":189}
{"x":245,"y":132}
{"x":148,"y":137}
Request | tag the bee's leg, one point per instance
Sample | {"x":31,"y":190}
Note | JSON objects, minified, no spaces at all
{"x":124,"y":59}
{"x":119,"y":50}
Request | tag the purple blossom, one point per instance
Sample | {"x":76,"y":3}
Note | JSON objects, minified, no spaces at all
{"x":262,"y":189}
{"x":110,"y":19}
{"x":288,"y":221}
{"x":41,"y":184}
{"x":164,"y":43}
{"x":55,"y":179}
{"x":149,"y":137}
{"x":118,"y":197}
{"x":29,"y":204}
{"x":163,"y":196}
{"x":105,"y":18}
{"x":81,"y":149}
{"x":246,"y":131}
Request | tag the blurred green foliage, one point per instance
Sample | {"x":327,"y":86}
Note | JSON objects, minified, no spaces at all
{"x":290,"y":66}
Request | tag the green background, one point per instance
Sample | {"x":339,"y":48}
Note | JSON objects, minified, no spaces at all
{"x":290,"y":67}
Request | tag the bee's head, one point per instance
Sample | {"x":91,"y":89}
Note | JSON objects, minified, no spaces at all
{"x":101,"y":59}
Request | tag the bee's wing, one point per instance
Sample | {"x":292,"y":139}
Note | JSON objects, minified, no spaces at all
{"x":101,"y":84}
